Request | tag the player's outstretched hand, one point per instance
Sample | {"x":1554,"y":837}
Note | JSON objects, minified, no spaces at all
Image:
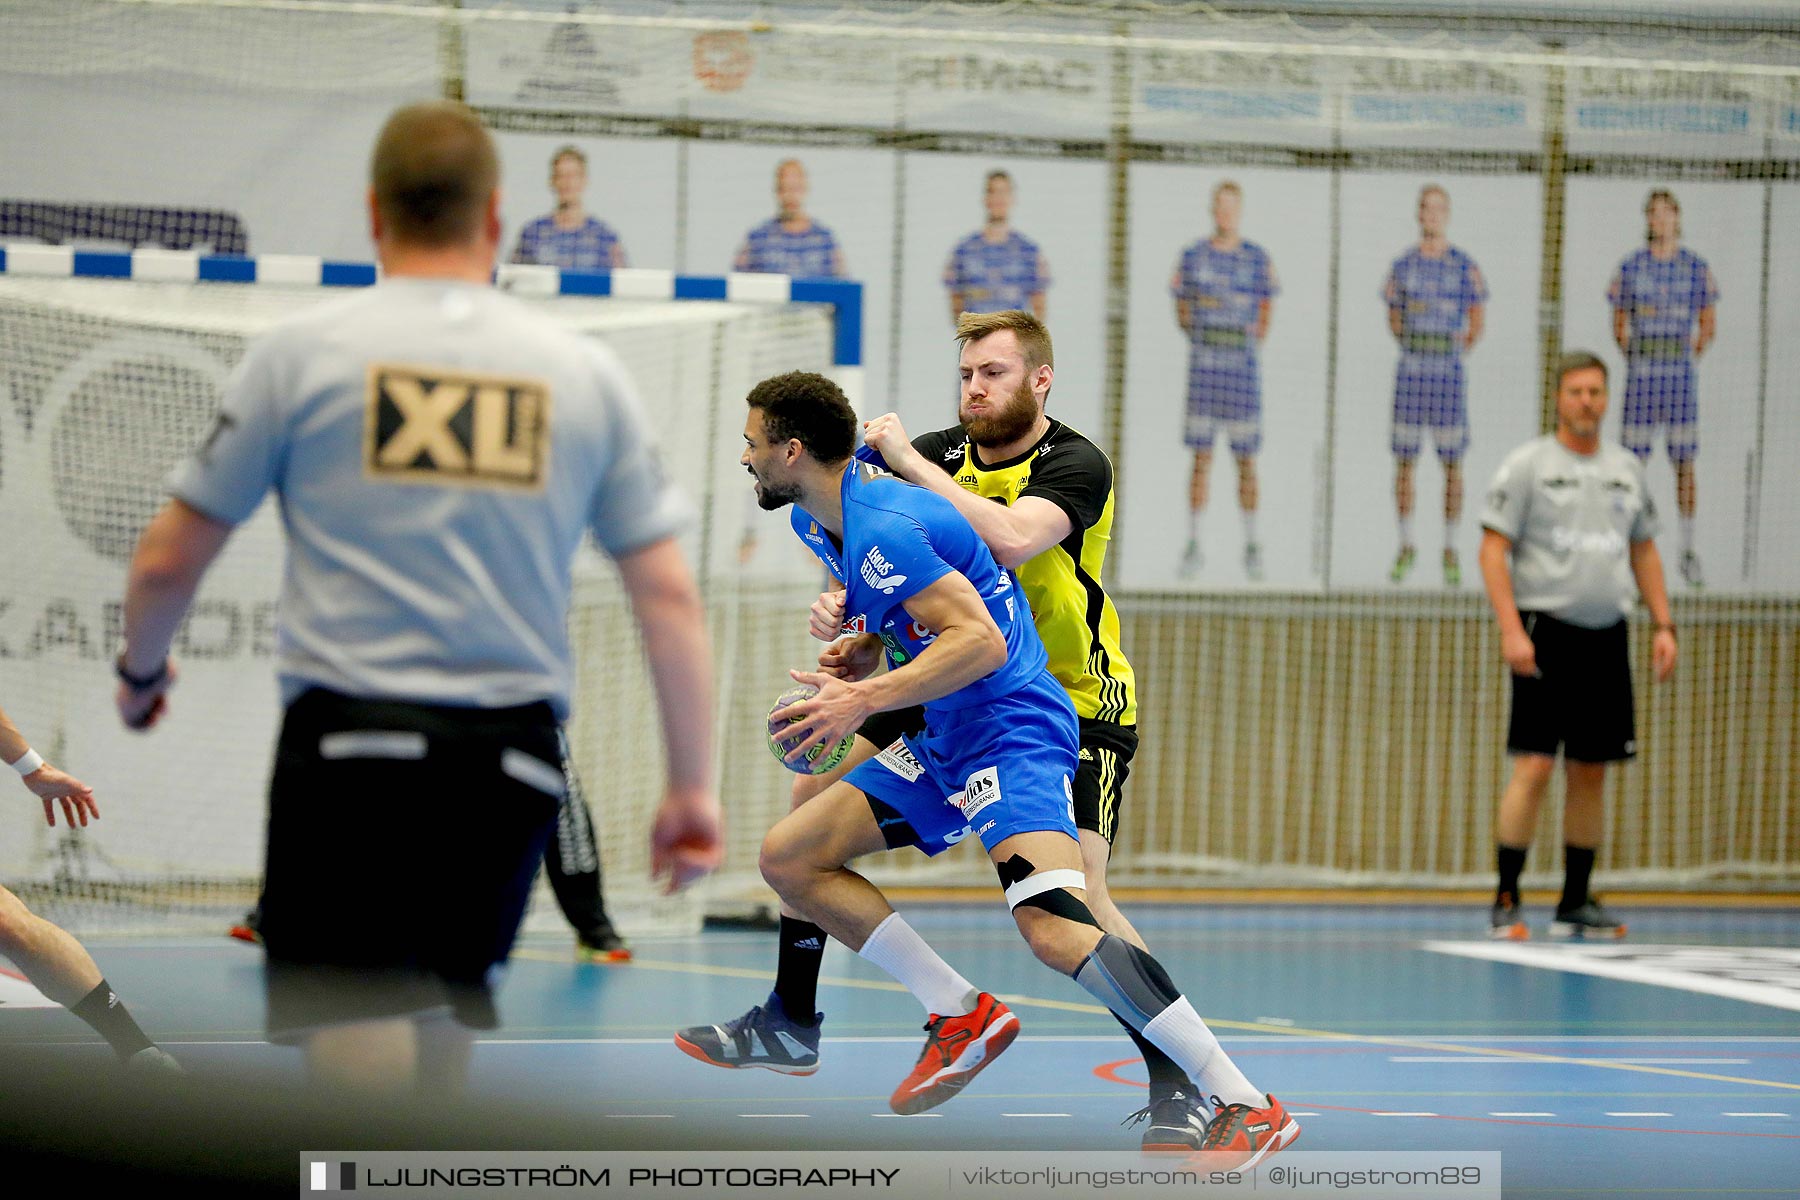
{"x":825,"y":620}
{"x":687,"y":839}
{"x":1519,"y":653}
{"x":51,"y":786}
{"x":886,"y":434}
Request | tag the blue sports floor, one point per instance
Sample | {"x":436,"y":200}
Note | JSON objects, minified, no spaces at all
{"x":1373,"y":1025}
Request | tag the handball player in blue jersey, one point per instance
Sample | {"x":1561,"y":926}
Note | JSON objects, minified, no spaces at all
{"x":995,"y":762}
{"x":1435,"y":298}
{"x":997,"y":268}
{"x":570,"y":237}
{"x":1224,"y":289}
{"x":791,"y":243}
{"x":1663,"y":298}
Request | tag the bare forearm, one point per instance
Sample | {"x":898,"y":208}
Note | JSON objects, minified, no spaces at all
{"x":1496,"y":573}
{"x":956,"y":659}
{"x":156,"y":600}
{"x":1646,"y":566}
{"x":13,"y":744}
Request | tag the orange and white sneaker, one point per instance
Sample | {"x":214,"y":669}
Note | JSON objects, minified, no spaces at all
{"x":956,"y":1049}
{"x":1240,"y":1136}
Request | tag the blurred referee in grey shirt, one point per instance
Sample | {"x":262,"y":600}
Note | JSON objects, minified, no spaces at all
{"x":438,"y":451}
{"x":1566,"y":548}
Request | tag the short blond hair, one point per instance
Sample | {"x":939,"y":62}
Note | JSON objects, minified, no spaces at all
{"x":1034,"y":339}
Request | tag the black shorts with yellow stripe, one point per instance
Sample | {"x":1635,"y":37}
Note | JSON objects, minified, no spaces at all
{"x":1106,"y":753}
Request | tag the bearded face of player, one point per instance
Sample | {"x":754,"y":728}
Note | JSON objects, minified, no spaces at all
{"x":568,"y":179}
{"x":999,"y":404}
{"x":1434,"y":215}
{"x":790,"y":190}
{"x":999,"y":199}
{"x":1581,"y":403}
{"x":766,"y":462}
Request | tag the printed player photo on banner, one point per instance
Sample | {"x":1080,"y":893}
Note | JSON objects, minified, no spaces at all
{"x":587,"y":203}
{"x":1224,"y":429}
{"x":1663,"y":280}
{"x":1437,"y":369}
{"x":1775,"y":554}
{"x":805,"y":211}
{"x":985,"y":234}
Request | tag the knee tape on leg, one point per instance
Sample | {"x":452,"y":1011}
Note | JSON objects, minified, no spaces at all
{"x":1128,"y":981}
{"x":1025,"y":884}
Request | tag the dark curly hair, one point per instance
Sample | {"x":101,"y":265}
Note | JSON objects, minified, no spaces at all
{"x":803,"y":405}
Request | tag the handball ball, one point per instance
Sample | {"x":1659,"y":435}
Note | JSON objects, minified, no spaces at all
{"x":820,"y":758}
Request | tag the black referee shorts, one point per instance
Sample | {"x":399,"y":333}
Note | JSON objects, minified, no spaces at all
{"x":1106,"y":753}
{"x":403,"y":841}
{"x":1580,"y":702}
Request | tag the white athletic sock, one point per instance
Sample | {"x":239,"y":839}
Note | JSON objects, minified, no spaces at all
{"x":1250,"y":525}
{"x":1194,"y":515}
{"x":897,"y":949}
{"x":1179,"y":1032}
{"x":1406,"y":531}
{"x":1687,"y":535}
{"x":1451,"y":524}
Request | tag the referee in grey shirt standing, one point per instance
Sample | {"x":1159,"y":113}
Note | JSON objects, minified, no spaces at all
{"x":438,"y":451}
{"x":1566,"y":542}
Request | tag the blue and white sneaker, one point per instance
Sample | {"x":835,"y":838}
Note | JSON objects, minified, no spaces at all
{"x":763,"y":1037}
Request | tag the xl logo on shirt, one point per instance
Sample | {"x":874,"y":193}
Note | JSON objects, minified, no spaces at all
{"x":875,"y":572}
{"x":427,"y":425}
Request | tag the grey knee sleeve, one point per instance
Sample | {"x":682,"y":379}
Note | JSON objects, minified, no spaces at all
{"x":1128,"y":981}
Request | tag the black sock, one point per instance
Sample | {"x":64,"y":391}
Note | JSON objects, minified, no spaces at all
{"x":797,"y":968}
{"x":1578,"y":867}
{"x":1512,"y":862}
{"x":1165,"y":1077}
{"x":112,"y":1021}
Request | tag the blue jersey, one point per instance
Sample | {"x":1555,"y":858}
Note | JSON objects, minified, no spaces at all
{"x":900,"y":539}
{"x":1433,"y":296}
{"x":1225,"y":290}
{"x":809,"y":254}
{"x":996,"y":276}
{"x":1663,"y":298}
{"x":591,"y":246}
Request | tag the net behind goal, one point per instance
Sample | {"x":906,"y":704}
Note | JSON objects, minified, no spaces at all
{"x":107,"y":383}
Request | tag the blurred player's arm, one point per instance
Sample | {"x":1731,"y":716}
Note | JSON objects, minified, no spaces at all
{"x":1264,"y":312}
{"x":1014,"y":533}
{"x":43,"y":780}
{"x":1496,"y":572}
{"x":1622,"y":328}
{"x":686,"y":838}
{"x":1040,"y":307}
{"x":1472,"y":328}
{"x":172,"y":556}
{"x":1646,"y":566}
{"x":1709,"y":329}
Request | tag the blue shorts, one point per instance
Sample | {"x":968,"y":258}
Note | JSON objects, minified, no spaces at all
{"x":1224,"y":392}
{"x":1428,"y":392}
{"x":994,"y":770}
{"x":1659,"y":393}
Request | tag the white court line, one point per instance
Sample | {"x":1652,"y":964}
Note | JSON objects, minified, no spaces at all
{"x":1639,"y":1114}
{"x":1756,"y":1114}
{"x":1294,"y":1112}
{"x":1597,"y":1058}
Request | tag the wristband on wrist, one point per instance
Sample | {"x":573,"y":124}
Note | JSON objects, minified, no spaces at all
{"x":28,"y":762}
{"x":140,"y":683}
{"x":1663,"y":627}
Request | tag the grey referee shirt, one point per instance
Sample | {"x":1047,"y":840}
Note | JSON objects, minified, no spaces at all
{"x":1572,"y":519}
{"x":438,"y":450}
